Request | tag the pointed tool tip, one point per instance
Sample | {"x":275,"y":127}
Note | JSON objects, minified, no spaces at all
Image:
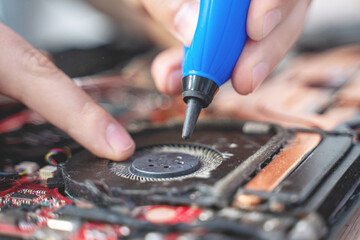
{"x":186,"y":133}
{"x":188,"y":128}
{"x":185,"y":137}
{"x":193,"y":110}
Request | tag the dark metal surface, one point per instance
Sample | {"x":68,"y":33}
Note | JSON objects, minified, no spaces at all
{"x":201,"y":160}
{"x":317,"y":193}
{"x":164,"y":164}
{"x":32,"y":142}
{"x":238,"y":155}
{"x":328,"y":195}
{"x":299,"y":185}
{"x":84,"y":62}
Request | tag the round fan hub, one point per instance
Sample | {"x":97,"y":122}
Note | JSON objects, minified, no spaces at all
{"x":164,"y":164}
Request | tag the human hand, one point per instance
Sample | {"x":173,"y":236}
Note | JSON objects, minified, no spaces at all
{"x":30,"y":77}
{"x":273,"y":26}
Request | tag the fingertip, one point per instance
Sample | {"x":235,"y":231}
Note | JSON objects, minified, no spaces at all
{"x":254,"y":20}
{"x":98,"y":131}
{"x":259,"y":73}
{"x":265,"y":16}
{"x":121,"y":144}
{"x":271,"y":19}
{"x":185,"y":21}
{"x":241,"y":85}
{"x":258,"y":27}
{"x":246,"y":80}
{"x":159,"y":73}
{"x":253,"y":28}
{"x":166,"y":71}
{"x":175,"y":82}
{"x":241,"y":77}
{"x":123,"y":155}
{"x":179,"y":17}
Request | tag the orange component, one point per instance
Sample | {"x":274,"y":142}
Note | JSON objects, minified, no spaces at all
{"x":270,"y":177}
{"x":282,"y":164}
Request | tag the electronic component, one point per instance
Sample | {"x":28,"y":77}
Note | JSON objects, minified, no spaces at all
{"x":23,"y":196}
{"x":32,"y":143}
{"x":91,"y":230}
{"x":47,"y":172}
{"x":168,"y":162}
{"x":164,"y":164}
{"x":167,"y":214}
{"x":61,"y":224}
{"x":234,"y":180}
{"x":27,"y":206}
{"x":222,"y":166}
{"x":28,"y":167}
{"x":31,"y":192}
{"x":269,"y":169}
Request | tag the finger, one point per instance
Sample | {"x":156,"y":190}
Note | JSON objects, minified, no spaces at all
{"x":178,"y":16}
{"x":166,"y":70}
{"x":29,"y":76}
{"x":265,"y":15}
{"x":259,"y":58}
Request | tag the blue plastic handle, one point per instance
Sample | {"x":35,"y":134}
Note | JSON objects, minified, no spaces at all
{"x":219,"y":39}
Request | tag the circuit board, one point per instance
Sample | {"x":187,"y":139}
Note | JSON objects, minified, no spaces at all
{"x":34,"y":202}
{"x":274,"y":166}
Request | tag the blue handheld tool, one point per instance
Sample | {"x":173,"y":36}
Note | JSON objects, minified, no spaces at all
{"x":219,"y":39}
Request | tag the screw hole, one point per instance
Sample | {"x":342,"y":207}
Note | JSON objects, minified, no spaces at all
{"x":150,"y":160}
{"x":180,"y":163}
{"x":151,"y":165}
{"x":166,"y":166}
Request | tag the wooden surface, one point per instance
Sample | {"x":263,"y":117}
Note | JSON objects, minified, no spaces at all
{"x":351,"y":230}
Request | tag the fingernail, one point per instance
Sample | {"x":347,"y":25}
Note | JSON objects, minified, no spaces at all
{"x":185,"y":21}
{"x":259,"y":73}
{"x":174,"y":84}
{"x":271,"y":20}
{"x":119,"y":140}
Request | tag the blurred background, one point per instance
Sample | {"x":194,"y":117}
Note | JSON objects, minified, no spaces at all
{"x":107,"y":46}
{"x":60,"y":25}
{"x":90,"y":37}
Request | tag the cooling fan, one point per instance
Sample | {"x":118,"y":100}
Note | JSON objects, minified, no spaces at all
{"x":168,"y":162}
{"x":222,"y":155}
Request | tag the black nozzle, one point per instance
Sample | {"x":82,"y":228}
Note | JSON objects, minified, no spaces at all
{"x":193,"y":110}
{"x":198,"y":92}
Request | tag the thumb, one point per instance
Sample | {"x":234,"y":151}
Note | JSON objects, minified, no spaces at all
{"x":178,"y":16}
